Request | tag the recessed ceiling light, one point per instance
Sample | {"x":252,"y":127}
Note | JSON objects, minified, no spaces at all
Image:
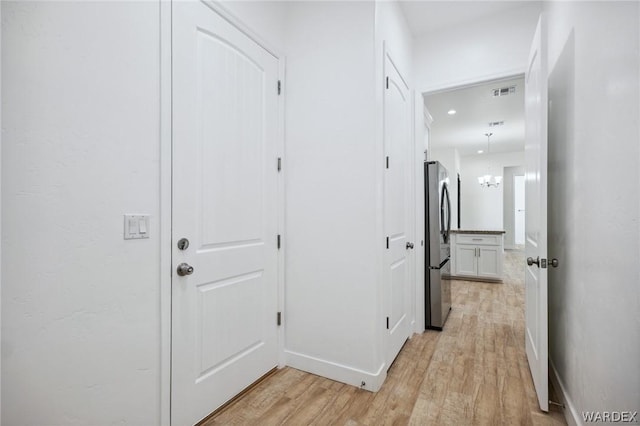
{"x":480,"y":151}
{"x":451,"y":112}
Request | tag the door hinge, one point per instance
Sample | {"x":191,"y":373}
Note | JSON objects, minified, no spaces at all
{"x":279,"y":318}
{"x":387,"y":161}
{"x":278,"y":241}
{"x":387,"y":323}
{"x":279,"y":87}
{"x":279,"y":163}
{"x":387,"y":82}
{"x":387,"y":242}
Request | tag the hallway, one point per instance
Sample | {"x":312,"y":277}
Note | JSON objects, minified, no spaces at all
{"x":473,"y":373}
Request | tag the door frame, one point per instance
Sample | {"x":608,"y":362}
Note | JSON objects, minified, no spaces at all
{"x":166,"y":172}
{"x":508,"y":209}
{"x":422,"y":133}
{"x":421,"y":111}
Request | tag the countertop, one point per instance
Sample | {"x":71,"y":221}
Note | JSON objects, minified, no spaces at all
{"x":476,"y":231}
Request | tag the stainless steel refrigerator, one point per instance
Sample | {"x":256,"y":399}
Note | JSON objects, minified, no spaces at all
{"x":438,"y":249}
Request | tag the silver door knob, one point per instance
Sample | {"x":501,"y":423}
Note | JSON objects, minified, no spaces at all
{"x":554,"y":262}
{"x":184,"y":269}
{"x":530,"y":261}
{"x":409,"y":245}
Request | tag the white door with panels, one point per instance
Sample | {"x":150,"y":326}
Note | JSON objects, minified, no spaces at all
{"x":225,"y":213}
{"x":397,"y":146}
{"x":536,"y":320}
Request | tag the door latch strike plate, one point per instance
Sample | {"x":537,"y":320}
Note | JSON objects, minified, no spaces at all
{"x":279,"y":318}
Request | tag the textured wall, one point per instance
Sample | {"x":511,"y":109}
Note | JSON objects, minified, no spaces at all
{"x":594,"y":192}
{"x":80,"y":306}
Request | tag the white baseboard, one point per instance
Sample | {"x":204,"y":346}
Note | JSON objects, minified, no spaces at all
{"x":338,"y":372}
{"x":570,"y":413}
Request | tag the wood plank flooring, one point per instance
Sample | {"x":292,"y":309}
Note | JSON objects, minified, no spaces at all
{"x":474,"y":372}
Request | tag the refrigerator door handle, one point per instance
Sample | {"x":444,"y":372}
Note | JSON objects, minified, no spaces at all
{"x":448,"y":213}
{"x":444,"y":262}
{"x":445,"y":214}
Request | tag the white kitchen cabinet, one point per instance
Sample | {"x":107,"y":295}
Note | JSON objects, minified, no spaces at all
{"x":478,"y":256}
{"x":466,"y":262}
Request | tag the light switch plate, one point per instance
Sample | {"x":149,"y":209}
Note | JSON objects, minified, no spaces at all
{"x":136,"y":226}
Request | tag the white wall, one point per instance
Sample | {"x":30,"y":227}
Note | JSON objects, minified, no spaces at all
{"x":487,"y":48}
{"x":594,"y":195}
{"x":334,"y":161}
{"x":482,"y":208}
{"x":332,"y":301}
{"x":80,"y":306}
{"x":450,"y":159}
{"x":391,"y":28}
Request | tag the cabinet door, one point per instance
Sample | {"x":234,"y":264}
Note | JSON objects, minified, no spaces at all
{"x":466,"y":260}
{"x":489,"y":262}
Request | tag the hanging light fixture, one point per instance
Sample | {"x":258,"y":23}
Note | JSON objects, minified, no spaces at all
{"x":488,"y":181}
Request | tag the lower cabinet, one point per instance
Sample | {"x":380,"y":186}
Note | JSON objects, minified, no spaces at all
{"x":466,"y":260}
{"x":478,"y":256}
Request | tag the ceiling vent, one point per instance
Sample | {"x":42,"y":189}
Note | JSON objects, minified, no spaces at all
{"x":496,"y":123}
{"x":503,"y":91}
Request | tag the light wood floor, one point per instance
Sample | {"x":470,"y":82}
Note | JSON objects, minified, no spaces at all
{"x":473,"y":373}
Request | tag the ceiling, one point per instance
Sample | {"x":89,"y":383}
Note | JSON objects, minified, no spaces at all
{"x":475,"y":108}
{"x":424,"y":16}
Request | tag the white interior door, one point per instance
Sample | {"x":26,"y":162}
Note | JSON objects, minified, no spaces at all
{"x":225,"y":109}
{"x":536,"y":334}
{"x":397,"y":146}
{"x":519,"y":209}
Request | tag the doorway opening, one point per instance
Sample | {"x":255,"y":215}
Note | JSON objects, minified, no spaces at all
{"x":462,"y":119}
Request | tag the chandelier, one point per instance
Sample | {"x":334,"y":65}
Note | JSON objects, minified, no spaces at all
{"x":489,"y":181}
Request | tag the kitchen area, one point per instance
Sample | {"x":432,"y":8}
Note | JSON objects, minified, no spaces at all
{"x":474,"y":192}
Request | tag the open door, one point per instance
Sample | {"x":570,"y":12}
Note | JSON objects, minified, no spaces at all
{"x":536,"y":333}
